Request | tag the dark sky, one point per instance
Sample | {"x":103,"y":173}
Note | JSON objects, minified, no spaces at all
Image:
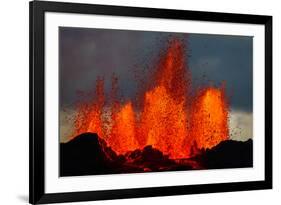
{"x":87,"y":53}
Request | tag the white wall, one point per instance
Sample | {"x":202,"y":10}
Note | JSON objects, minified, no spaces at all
{"x":14,"y":99}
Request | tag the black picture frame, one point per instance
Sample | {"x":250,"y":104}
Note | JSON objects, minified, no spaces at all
{"x":37,"y":9}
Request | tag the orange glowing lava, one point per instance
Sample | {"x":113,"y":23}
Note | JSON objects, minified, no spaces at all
{"x":170,"y":118}
{"x":164,"y":117}
{"x":89,"y":114}
{"x":209,"y":118}
{"x":123,"y":132}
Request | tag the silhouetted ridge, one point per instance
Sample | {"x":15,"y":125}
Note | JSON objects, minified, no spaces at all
{"x":88,"y":154}
{"x":228,"y":154}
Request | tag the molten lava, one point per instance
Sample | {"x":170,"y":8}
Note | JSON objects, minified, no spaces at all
{"x":164,"y":117}
{"x":170,"y":118}
{"x":209,"y":118}
{"x":89,"y":115}
{"x":123,"y":132}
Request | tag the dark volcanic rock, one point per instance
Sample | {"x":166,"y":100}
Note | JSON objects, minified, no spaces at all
{"x":228,"y":154}
{"x":87,"y":154}
{"x":151,"y":159}
{"x":148,"y":154}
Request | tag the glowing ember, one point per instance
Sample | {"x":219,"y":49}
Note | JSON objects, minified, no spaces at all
{"x":170,"y":119}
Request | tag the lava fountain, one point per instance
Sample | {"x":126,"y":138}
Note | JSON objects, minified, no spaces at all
{"x":209,"y":117}
{"x":170,"y":118}
{"x":89,"y":114}
{"x":164,"y":117}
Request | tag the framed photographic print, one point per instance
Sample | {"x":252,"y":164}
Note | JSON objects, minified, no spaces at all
{"x":140,"y":102}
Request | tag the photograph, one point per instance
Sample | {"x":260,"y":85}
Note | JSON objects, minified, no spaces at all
{"x":133,"y":101}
